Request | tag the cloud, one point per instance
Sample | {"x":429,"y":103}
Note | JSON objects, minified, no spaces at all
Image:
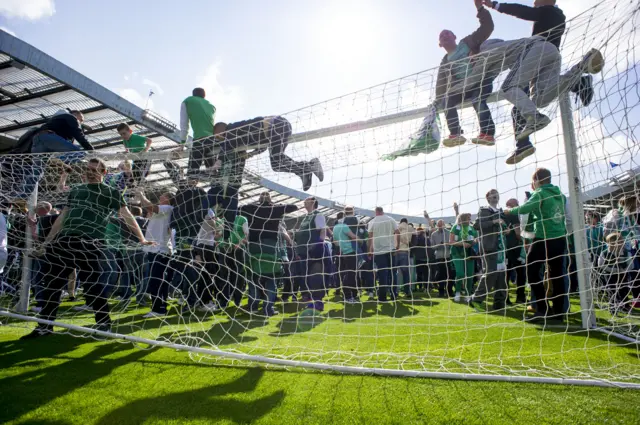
{"x":134,"y":96}
{"x":27,"y":9}
{"x":155,"y":86}
{"x":8,"y":31}
{"x":227,"y":100}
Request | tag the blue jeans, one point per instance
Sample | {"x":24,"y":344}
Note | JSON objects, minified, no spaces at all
{"x":110,"y":271}
{"x":264,"y":290}
{"x":403,"y":267}
{"x":47,"y":143}
{"x":384,"y":264}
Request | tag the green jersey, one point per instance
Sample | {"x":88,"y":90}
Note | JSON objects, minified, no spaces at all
{"x":240,"y":230}
{"x":463,"y":233}
{"x":136,"y":143}
{"x":201,"y":116}
{"x":547,"y":204}
{"x":89,"y":208}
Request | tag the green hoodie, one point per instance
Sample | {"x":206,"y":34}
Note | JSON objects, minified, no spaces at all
{"x":547,"y":203}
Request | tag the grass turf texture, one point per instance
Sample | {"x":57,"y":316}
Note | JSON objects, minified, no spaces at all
{"x":66,"y":380}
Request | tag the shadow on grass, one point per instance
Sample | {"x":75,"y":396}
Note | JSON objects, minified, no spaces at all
{"x":209,"y":403}
{"x":220,"y":334}
{"x":36,"y":388}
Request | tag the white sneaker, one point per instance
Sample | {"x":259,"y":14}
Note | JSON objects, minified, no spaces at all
{"x":35,"y":309}
{"x":65,"y":294}
{"x":208,"y":308}
{"x":456,"y":299}
{"x":534,"y":124}
{"x":82,"y":307}
{"x":153,"y":314}
{"x":316,"y":168}
{"x":468,"y":299}
{"x":181,"y":301}
{"x":370,"y":294}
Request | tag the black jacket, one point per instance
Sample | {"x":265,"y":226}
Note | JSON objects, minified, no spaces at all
{"x":548,"y":21}
{"x":264,"y":219}
{"x":67,"y":127}
{"x":191,"y":206}
{"x":488,"y":231}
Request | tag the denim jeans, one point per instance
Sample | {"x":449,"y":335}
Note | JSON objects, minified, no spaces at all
{"x":264,"y":290}
{"x":47,"y":143}
{"x":402,"y":266}
{"x":386,"y":281}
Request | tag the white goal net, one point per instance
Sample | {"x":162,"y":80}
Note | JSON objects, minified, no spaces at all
{"x":426,"y":249}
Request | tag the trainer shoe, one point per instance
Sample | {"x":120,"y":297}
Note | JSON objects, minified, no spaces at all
{"x":208,"y":308}
{"x":37,"y":333}
{"x":454,"y":140}
{"x":584,"y":89}
{"x":484,"y":140}
{"x":35,"y":309}
{"x":521,"y":152}
{"x":456,"y":299}
{"x":307,"y":180}
{"x":153,"y":315}
{"x":316,"y":168}
{"x":592,"y":62}
{"x":534,"y":124}
{"x":82,"y":307}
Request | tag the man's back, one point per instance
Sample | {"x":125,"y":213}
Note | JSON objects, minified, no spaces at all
{"x":341,"y":235}
{"x":191,"y":207}
{"x":548,"y":21}
{"x":264,"y":219}
{"x":383,"y":228}
{"x":201,"y":116}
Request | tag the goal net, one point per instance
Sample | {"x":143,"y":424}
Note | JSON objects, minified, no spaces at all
{"x":246,"y":268}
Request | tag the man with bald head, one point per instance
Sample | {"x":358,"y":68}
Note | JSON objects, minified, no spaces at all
{"x":454,"y":69}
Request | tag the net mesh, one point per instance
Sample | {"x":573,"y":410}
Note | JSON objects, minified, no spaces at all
{"x":213,"y":290}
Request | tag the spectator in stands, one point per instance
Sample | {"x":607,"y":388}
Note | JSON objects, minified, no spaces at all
{"x":196,"y":111}
{"x":345,"y":239}
{"x":135,"y":143}
{"x":462,"y":238}
{"x":76,"y":241}
{"x":491,"y":229}
{"x":454,"y":68}
{"x":264,"y":221}
{"x":547,"y":203}
{"x":516,"y":258}
{"x":384,"y":239}
{"x":310,"y":253}
{"x":403,"y":264}
{"x":442,"y":272}
{"x":264,"y":133}
{"x":158,"y":256}
{"x":595,"y":236}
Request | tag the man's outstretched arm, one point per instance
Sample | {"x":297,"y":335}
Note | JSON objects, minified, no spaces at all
{"x":521,"y":11}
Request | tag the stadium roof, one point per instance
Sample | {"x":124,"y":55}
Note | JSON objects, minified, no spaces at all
{"x":34,"y":86}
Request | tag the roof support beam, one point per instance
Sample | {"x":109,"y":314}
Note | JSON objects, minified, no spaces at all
{"x":40,"y":121}
{"x":33,"y":95}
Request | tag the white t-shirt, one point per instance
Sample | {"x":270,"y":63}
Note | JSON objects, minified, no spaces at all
{"x":384,"y":229}
{"x":158,"y":230}
{"x":207,"y":233}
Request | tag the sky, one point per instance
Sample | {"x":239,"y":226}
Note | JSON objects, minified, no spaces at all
{"x":263,"y":58}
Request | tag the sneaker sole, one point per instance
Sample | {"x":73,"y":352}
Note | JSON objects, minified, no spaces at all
{"x":483,"y":142}
{"x":596,"y":62}
{"x":522,"y":155}
{"x":453,"y":144}
{"x":528,"y":132}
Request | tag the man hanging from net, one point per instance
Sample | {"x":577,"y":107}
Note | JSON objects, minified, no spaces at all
{"x":533,"y":62}
{"x":264,"y":133}
{"x":549,"y":22}
{"x":454,"y":68}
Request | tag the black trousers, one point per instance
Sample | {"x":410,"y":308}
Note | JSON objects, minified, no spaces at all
{"x":234,"y":276}
{"x":63,"y":256}
{"x":202,"y":151}
{"x":514,"y":264}
{"x":422,"y":273}
{"x":209,"y":273}
{"x":139,"y":169}
{"x":347,"y":267}
{"x":549,"y":252}
{"x":443,"y":274}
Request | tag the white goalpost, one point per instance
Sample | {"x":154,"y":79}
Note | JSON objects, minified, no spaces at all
{"x":225,"y":286}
